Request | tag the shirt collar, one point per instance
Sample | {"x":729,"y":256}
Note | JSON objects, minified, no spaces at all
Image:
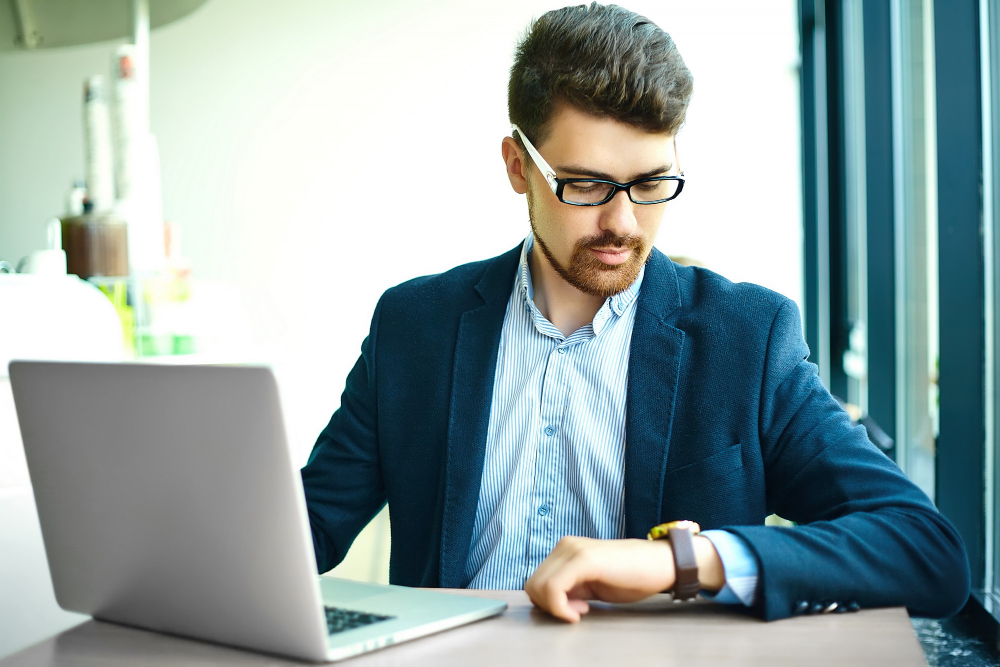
{"x":611,"y":310}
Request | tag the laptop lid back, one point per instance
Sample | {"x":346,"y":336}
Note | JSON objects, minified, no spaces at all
{"x":168,"y":500}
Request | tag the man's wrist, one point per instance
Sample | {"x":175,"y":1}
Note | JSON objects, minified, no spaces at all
{"x":664,"y":562}
{"x":711,"y":573}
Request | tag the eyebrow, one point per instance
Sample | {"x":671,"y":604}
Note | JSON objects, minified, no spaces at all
{"x":570,"y":169}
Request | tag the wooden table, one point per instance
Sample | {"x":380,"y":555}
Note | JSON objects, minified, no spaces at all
{"x":698,"y":633}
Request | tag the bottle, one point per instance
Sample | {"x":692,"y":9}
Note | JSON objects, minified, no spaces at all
{"x":97,"y":145}
{"x":75,"y":198}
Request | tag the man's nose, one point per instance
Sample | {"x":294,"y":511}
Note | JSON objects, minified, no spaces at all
{"x":618,"y":215}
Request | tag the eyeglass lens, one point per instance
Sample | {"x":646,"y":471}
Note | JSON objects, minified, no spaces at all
{"x":592,"y":192}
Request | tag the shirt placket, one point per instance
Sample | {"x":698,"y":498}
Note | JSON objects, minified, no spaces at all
{"x":548,"y":459}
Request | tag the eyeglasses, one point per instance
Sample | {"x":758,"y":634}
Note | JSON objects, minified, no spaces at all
{"x":597,"y":191}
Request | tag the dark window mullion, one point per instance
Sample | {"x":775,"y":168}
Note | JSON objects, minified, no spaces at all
{"x":960,"y":446}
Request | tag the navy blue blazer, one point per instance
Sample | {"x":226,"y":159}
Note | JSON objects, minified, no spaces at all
{"x":726,"y":423}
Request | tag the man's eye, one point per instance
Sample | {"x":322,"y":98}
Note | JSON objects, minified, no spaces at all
{"x":584,"y":187}
{"x":651,"y":186}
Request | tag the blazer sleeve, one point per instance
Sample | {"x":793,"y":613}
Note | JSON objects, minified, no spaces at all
{"x":866,"y":534}
{"x":342,"y":479}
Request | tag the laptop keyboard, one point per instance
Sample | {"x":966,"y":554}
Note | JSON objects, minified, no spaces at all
{"x":340,"y":620}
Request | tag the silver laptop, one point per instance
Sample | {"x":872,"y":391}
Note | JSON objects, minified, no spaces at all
{"x":168,"y":500}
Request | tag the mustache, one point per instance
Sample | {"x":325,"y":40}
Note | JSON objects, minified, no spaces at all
{"x":609,"y":239}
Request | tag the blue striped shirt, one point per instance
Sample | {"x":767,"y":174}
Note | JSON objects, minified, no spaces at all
{"x":555,"y":445}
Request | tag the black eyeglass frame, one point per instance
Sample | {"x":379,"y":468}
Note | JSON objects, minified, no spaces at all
{"x":618,"y":187}
{"x":558,"y":184}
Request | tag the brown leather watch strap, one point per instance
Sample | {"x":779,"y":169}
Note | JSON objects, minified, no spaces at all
{"x":681,"y":535}
{"x":686,"y":583}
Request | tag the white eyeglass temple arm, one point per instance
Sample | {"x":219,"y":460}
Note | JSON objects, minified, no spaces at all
{"x":547,"y":172}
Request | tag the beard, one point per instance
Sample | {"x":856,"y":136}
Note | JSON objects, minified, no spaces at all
{"x":589,"y":274}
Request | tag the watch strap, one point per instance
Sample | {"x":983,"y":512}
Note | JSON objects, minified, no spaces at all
{"x":686,"y":582}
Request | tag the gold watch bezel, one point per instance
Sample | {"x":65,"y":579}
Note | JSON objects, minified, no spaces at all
{"x":662,"y":531}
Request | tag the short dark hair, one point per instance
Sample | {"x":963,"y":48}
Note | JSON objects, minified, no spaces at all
{"x":603,"y":60}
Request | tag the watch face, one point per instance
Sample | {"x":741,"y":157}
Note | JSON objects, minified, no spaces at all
{"x":660,"y":532}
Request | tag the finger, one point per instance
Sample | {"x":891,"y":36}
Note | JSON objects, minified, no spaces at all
{"x":536,"y":583}
{"x":564,"y":576}
{"x":581,"y":607}
{"x":546,"y":593}
{"x":564,"y":589}
{"x":552,"y":600}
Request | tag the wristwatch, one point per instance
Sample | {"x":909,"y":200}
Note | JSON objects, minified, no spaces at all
{"x":681,"y":534}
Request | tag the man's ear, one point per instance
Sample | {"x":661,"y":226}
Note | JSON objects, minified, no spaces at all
{"x":517,"y":170}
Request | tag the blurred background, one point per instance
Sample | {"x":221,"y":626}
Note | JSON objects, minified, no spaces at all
{"x":306,"y":155}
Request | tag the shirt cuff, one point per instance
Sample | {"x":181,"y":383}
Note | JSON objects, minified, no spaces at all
{"x":740,"y":566}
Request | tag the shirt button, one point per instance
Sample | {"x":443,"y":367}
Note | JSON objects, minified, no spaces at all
{"x":543,"y":510}
{"x":549,"y":430}
{"x":561,"y":350}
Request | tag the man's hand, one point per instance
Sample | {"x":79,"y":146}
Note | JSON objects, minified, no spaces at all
{"x":581,"y":569}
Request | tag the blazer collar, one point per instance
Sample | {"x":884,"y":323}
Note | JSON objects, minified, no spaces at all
{"x":660,"y":294}
{"x":498,"y":278}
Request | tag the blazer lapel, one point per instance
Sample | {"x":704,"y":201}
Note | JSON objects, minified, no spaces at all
{"x":653,"y":373}
{"x":471,"y":395}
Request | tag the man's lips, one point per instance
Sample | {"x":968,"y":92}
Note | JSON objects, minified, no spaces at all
{"x":612,"y":256}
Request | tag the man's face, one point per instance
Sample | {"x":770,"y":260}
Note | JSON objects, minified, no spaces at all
{"x":597,"y":249}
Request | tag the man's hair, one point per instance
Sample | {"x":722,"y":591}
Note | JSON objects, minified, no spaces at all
{"x":603,"y":60}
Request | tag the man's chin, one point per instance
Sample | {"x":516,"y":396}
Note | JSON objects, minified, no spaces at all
{"x":589,"y":274}
{"x":604,"y":281}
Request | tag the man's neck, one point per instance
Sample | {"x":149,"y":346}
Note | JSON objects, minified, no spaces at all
{"x":566,"y":307}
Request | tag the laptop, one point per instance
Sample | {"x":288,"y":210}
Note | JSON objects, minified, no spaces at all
{"x":168,"y":500}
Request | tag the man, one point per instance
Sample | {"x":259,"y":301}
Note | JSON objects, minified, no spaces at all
{"x":529,"y":418}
